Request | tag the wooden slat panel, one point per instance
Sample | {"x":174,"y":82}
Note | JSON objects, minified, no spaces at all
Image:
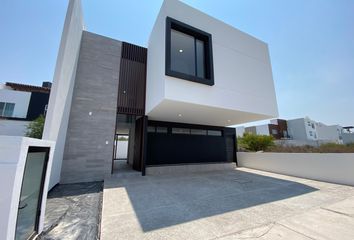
{"x":132,"y":80}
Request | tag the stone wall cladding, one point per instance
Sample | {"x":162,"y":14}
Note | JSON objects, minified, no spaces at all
{"x":87,"y":156}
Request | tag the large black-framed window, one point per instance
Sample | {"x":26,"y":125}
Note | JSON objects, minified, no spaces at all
{"x":189,"y":53}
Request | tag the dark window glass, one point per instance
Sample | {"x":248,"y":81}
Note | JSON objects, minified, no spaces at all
{"x":214,"y":133}
{"x":200,"y":58}
{"x":151,"y":129}
{"x":161,"y":129}
{"x":180,"y":130}
{"x":9,"y":109}
{"x":188,"y":53}
{"x":182,"y":52}
{"x":2,"y":106}
{"x":198,"y":132}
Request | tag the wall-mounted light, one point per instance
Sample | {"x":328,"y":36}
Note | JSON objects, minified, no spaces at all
{"x":90,"y":113}
{"x":228,"y":120}
{"x":179,"y":115}
{"x":181,"y":50}
{"x":124,"y":92}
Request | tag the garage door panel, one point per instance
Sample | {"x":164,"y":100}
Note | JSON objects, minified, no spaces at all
{"x":180,"y":148}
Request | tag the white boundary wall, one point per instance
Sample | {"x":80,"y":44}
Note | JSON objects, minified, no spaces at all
{"x":328,"y":167}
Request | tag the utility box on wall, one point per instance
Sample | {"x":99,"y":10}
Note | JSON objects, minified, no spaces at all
{"x":25,"y":165}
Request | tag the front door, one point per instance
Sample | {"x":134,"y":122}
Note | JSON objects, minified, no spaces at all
{"x":31,"y":192}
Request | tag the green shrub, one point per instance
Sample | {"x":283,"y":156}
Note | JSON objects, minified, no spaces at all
{"x":252,"y":142}
{"x":35,"y":128}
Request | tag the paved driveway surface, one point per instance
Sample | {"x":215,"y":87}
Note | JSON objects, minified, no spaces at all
{"x":238,"y":204}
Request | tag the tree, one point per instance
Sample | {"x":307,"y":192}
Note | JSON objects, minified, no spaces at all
{"x":256,"y":143}
{"x":35,"y":128}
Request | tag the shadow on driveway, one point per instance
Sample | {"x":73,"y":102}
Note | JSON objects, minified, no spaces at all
{"x":161,"y":201}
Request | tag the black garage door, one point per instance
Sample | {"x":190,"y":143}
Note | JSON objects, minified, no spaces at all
{"x":176,"y":143}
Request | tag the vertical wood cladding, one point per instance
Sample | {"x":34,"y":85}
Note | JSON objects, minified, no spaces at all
{"x":132,"y":80}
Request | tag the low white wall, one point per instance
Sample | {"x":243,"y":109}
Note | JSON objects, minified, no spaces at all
{"x":13,"y":127}
{"x":328,"y":167}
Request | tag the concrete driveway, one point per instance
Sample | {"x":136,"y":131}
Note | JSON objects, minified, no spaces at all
{"x":234,"y":204}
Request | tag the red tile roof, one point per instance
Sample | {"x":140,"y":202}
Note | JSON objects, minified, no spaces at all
{"x":27,"y":88}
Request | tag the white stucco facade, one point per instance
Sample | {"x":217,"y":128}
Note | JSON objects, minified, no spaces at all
{"x":19,"y":98}
{"x":243,"y":90}
{"x":330,"y":133}
{"x":263,"y":129}
{"x":57,"y":118}
{"x":303,"y":129}
{"x":347,"y":138}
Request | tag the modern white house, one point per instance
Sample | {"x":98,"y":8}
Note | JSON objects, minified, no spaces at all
{"x":300,"y":131}
{"x":20,"y":104}
{"x":277,"y":128}
{"x":330,"y":133}
{"x":174,"y":97}
{"x":348,"y":138}
{"x":303,"y":129}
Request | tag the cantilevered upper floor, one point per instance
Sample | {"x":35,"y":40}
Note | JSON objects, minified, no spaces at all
{"x":201,"y":70}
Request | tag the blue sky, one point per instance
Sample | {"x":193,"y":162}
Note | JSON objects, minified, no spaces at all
{"x":311,"y":43}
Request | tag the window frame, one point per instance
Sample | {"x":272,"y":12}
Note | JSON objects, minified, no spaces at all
{"x":3,"y":110}
{"x":208,"y":52}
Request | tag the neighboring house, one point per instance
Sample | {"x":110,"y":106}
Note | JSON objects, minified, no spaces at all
{"x":331,"y":133}
{"x":174,"y":99}
{"x":348,"y":134}
{"x":240,"y":130}
{"x":305,"y":129}
{"x":276,"y":128}
{"x":347,"y":138}
{"x":302,"y":129}
{"x":20,"y":104}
